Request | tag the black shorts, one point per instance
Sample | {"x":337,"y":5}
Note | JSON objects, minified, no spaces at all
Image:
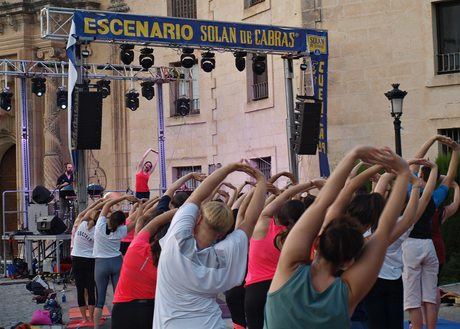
{"x":137,"y":314}
{"x":143,"y":195}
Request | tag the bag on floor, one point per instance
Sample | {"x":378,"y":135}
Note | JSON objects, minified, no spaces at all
{"x":55,"y":311}
{"x":41,"y":317}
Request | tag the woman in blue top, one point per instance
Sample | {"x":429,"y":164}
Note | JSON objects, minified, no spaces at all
{"x":304,"y":295}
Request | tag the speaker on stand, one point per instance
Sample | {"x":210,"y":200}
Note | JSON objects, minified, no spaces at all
{"x":305,"y":126}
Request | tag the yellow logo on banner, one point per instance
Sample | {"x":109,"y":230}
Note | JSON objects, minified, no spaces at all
{"x":317,"y":44}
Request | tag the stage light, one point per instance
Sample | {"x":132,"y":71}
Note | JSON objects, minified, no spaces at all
{"x":132,"y":100}
{"x":240,"y":61}
{"x":148,"y":90}
{"x":103,"y":86}
{"x":61,"y":98}
{"x":146,"y":58}
{"x":38,"y":86}
{"x":208,"y":63}
{"x":127,"y":53}
{"x":187,"y":58}
{"x":183,"y":106}
{"x":5,"y":99}
{"x":259,"y":64}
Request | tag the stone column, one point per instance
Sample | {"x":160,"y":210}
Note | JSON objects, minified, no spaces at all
{"x":53,"y":157}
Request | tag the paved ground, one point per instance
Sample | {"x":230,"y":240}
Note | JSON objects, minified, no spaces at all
{"x":16,"y":303}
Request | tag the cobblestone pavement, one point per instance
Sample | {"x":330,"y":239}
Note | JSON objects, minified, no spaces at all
{"x":16,"y":303}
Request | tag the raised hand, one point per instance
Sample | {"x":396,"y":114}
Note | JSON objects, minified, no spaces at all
{"x":198,"y":176}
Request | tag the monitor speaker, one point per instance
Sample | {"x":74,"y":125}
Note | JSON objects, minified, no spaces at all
{"x":87,"y":120}
{"x":52,"y":225}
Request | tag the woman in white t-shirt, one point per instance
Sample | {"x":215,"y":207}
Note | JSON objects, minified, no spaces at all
{"x":83,"y":260}
{"x":109,"y":231}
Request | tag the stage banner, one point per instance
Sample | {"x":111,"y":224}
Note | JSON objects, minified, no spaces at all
{"x":318,"y":46}
{"x":180,"y":32}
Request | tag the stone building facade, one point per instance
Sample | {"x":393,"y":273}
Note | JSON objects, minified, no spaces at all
{"x":235,"y":115}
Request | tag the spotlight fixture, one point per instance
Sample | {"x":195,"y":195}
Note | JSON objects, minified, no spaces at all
{"x":240,"y":61}
{"x":5,"y":99}
{"x":146,"y":58}
{"x":183,"y":106}
{"x":259,"y":64}
{"x":132,"y":100}
{"x":147,"y":89}
{"x":103,"y":86}
{"x":127,"y":53}
{"x":187,"y":58}
{"x":61,"y":98}
{"x":208,"y":63}
{"x":38,"y":86}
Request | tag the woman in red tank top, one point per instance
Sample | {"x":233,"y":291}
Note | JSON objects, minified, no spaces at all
{"x":263,"y":255}
{"x":144,"y":170}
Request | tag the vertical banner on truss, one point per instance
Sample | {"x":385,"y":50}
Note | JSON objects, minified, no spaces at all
{"x":318,"y":46}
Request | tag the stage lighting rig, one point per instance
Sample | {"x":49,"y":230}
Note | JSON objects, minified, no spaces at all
{"x":183,"y":106}
{"x":132,"y":100}
{"x":5,"y":99}
{"x":148,"y":90}
{"x":240,"y":61}
{"x":208,"y":62}
{"x":39,"y":86}
{"x":259,"y":64}
{"x":61,"y":98}
{"x":127,"y":53}
{"x":103,"y":86}
{"x":146,"y":58}
{"x":187,"y":58}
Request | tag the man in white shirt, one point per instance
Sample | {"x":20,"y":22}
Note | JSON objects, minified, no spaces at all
{"x":192,"y":269}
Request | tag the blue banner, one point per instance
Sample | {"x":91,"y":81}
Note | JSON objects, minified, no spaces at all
{"x":317,"y":43}
{"x":171,"y":31}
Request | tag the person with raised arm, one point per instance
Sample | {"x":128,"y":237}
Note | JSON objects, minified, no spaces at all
{"x":134,"y":297}
{"x":143,"y":171}
{"x":421,"y":264}
{"x":172,"y":199}
{"x":384,"y":303}
{"x":193,"y":269}
{"x":324,"y":293}
{"x":276,"y":217}
{"x":83,"y":260}
{"x":108,"y":232}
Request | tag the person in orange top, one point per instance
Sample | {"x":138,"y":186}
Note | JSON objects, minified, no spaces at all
{"x":144,"y":170}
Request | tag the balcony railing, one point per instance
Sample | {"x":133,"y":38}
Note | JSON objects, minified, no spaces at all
{"x":448,"y":63}
{"x":260,"y":90}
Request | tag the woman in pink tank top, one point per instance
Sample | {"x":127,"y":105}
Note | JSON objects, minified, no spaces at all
{"x":263,"y":254}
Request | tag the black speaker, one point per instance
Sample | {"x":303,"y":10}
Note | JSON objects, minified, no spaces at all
{"x":87,"y":120}
{"x":305,"y":126}
{"x":42,"y":195}
{"x":50,"y":225}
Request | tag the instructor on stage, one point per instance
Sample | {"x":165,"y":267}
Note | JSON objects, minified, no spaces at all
{"x":144,"y":170}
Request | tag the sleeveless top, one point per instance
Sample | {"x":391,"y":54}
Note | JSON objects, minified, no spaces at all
{"x":298,"y":305}
{"x":263,"y":256}
{"x":422,"y":229}
{"x":142,"y":181}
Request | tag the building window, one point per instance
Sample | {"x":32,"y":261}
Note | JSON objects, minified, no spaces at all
{"x":264,"y":165}
{"x":182,"y":8}
{"x":250,"y":3}
{"x":453,"y":133}
{"x":213,"y":167}
{"x":448,"y":36}
{"x":185,"y":88}
{"x":179,"y":172}
{"x":258,"y":84}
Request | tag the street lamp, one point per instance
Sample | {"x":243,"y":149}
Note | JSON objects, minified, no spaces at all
{"x":396,"y":97}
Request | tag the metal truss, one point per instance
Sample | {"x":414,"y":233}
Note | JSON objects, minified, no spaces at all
{"x":56,"y":69}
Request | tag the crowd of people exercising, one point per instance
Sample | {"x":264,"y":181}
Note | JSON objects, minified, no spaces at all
{"x":354,"y":250}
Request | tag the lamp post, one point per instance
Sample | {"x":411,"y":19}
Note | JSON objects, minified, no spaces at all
{"x":396,"y":97}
